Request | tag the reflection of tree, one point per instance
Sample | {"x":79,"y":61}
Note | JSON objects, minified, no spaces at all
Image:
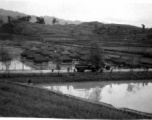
{"x":5,"y":59}
{"x":130,"y":88}
{"x":110,"y":89}
{"x":95,"y":94}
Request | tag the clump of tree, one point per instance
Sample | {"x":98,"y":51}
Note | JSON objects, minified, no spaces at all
{"x":5,"y":59}
{"x":24,"y":18}
{"x":40,"y":20}
{"x":54,"y":21}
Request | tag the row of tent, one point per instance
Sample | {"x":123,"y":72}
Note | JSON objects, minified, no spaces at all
{"x":129,"y":62}
{"x":40,"y":56}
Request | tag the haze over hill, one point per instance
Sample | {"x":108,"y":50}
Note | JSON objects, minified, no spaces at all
{"x":48,"y":19}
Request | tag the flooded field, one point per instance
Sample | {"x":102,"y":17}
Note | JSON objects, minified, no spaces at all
{"x":134,"y":95}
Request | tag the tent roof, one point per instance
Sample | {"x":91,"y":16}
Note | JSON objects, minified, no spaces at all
{"x":66,"y":52}
{"x":65,"y":57}
{"x":34,"y":49}
{"x":85,"y":57}
{"x":74,"y":54}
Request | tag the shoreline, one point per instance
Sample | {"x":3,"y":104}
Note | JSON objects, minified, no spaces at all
{"x":76,"y":77}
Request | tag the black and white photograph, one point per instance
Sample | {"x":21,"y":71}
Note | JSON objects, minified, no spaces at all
{"x":76,"y":59}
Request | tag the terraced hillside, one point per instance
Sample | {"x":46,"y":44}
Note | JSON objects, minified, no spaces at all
{"x":119,"y":40}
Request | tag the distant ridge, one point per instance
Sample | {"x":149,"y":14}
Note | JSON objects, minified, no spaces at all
{"x":48,"y":19}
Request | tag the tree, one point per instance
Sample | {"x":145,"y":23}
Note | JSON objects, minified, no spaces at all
{"x":95,"y":95}
{"x":57,"y":60}
{"x":143,"y":28}
{"x":54,"y":21}
{"x":40,"y":20}
{"x":108,"y":30}
{"x":24,"y":18}
{"x":9,"y":19}
{"x":118,"y":29}
{"x":5,"y":59}
{"x":1,"y":21}
{"x":96,"y":55}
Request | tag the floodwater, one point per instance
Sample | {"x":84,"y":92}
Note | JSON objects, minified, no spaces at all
{"x":135,"y":95}
{"x":15,"y":65}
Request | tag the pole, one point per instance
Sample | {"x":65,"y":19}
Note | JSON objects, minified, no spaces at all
{"x":2,"y":56}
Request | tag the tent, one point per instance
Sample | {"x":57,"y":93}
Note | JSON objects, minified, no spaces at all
{"x":40,"y":59}
{"x":65,"y":52}
{"x":30,"y":57}
{"x":45,"y":53}
{"x":34,"y":49}
{"x":85,"y":58}
{"x":74,"y":55}
{"x":66,"y":59}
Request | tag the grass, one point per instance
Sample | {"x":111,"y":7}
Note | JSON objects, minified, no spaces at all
{"x":78,"y":77}
{"x":23,"y":101}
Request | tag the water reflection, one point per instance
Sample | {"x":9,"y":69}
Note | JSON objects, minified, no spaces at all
{"x":15,"y":65}
{"x":135,"y":95}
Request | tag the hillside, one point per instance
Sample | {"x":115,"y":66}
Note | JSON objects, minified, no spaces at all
{"x":48,"y":19}
{"x":117,"y":44}
{"x":91,"y":31}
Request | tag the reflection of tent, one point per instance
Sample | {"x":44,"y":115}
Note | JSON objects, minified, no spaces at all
{"x":66,"y":58}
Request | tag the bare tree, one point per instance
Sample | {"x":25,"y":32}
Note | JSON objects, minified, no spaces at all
{"x":96,"y":55}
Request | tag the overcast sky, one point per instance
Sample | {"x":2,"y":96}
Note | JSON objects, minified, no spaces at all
{"x":134,"y":12}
